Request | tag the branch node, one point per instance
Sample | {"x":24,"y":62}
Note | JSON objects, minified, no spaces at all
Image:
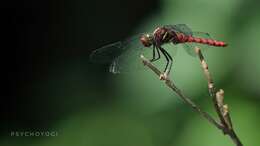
{"x":218,"y":100}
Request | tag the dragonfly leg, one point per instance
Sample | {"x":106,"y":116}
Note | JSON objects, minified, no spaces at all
{"x":153,"y":55}
{"x":166,"y":57}
{"x":170,"y":57}
{"x":169,"y":61}
{"x":158,"y":54}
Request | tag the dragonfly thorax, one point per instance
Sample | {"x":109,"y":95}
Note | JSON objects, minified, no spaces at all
{"x":162,"y":35}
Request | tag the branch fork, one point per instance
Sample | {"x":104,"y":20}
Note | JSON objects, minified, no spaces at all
{"x":225,"y":124}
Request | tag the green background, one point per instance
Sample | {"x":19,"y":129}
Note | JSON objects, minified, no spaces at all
{"x":90,"y":107}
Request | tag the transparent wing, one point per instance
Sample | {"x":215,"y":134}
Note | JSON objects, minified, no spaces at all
{"x":123,"y":56}
{"x":108,"y":53}
{"x":189,"y":47}
{"x":181,"y":28}
{"x":129,"y":61}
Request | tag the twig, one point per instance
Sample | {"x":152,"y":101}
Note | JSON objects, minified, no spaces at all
{"x":187,"y":100}
{"x":218,"y":100}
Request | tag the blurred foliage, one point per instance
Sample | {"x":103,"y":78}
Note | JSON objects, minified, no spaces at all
{"x":137,"y":109}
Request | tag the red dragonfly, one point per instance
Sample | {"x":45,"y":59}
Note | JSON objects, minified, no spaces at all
{"x":116,"y":54}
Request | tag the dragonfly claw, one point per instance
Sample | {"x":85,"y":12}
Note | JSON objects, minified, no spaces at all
{"x":162,"y":77}
{"x":165,"y":75}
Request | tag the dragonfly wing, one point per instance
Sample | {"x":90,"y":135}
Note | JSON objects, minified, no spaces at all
{"x":108,"y":53}
{"x":114,"y":66}
{"x":129,"y":61}
{"x":122,"y":56}
{"x":181,"y":28}
{"x":201,"y":34}
{"x":189,"y":48}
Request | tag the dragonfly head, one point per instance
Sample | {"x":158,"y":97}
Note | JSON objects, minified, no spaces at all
{"x":146,"y":40}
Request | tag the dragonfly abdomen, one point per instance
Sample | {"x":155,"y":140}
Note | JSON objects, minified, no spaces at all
{"x":211,"y":42}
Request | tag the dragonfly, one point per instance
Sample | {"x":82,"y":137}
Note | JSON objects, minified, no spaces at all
{"x":117,"y":54}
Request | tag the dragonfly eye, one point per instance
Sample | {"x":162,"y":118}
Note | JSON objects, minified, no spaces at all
{"x":146,"y":40}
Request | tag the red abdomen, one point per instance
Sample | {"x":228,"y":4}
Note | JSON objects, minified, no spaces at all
{"x":211,"y":42}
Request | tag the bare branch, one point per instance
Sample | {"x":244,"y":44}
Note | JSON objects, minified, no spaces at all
{"x":218,"y":100}
{"x":187,"y":100}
